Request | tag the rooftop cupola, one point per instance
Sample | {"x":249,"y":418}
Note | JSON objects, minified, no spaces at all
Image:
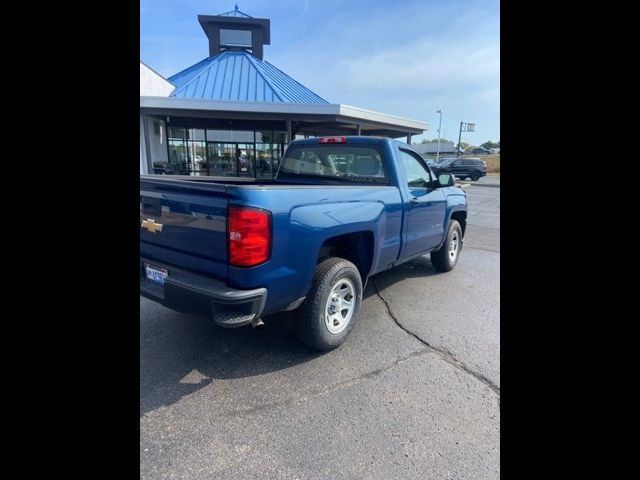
{"x":237,"y":31}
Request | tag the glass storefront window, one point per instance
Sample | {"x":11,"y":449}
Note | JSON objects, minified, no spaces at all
{"x":271,"y":136}
{"x":186,"y":157}
{"x":198,"y":156}
{"x":245,"y":156}
{"x":221,"y":159}
{"x":214,"y":152}
{"x":268,"y":157}
{"x":231,"y":159}
{"x":219,"y":135}
{"x":177,"y":133}
{"x":263,"y":136}
{"x":196,"y":134}
{"x":177,"y":164}
{"x":230,"y":136}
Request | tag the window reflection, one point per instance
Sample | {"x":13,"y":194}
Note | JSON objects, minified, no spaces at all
{"x":226,"y":153}
{"x":230,"y":136}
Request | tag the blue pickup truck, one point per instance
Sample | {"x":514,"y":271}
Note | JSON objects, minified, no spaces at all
{"x":339,"y":210}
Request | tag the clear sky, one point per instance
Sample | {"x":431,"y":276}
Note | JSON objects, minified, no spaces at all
{"x":401,"y":57}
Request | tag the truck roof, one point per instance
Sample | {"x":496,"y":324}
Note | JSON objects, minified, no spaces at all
{"x":352,"y":138}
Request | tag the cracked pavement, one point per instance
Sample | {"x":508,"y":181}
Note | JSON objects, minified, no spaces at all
{"x":413,"y":393}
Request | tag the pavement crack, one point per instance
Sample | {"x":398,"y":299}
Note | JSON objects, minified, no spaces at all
{"x":483,"y":249}
{"x":313,"y":393}
{"x":443,"y":353}
{"x":484,"y":227}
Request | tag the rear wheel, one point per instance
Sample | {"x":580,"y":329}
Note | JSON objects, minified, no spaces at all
{"x":475,"y":176}
{"x":331,"y":308}
{"x":446,"y":258}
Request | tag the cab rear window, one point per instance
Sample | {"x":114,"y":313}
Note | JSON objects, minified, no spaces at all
{"x":350,"y":163}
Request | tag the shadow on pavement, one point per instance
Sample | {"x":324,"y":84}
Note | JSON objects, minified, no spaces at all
{"x":420,"y":267}
{"x":180,"y":354}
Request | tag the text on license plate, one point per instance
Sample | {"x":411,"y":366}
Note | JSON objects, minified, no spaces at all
{"x":156,"y":274}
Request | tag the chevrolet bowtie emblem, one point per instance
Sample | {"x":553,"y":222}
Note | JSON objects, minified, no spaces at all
{"x":151,"y":225}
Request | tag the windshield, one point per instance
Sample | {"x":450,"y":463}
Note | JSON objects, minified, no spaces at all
{"x":337,"y":162}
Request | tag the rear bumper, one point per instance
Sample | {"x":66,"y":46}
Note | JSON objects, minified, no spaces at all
{"x":188,"y":292}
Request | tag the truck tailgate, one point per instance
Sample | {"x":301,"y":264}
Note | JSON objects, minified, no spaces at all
{"x":184,"y":223}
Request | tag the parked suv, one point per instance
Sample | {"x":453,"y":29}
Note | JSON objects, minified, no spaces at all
{"x":480,"y":151}
{"x":462,"y":168}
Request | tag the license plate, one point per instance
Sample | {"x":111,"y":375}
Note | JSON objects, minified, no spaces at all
{"x":156,"y":274}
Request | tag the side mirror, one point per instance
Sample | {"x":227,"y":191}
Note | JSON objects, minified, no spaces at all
{"x":446,"y":180}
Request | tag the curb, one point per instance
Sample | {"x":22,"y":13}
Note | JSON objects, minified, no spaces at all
{"x":493,"y":185}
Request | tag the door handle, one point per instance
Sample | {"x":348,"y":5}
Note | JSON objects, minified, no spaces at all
{"x":414,"y":201}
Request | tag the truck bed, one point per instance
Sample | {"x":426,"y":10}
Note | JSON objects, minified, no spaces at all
{"x":212,"y":183}
{"x":193,"y":214}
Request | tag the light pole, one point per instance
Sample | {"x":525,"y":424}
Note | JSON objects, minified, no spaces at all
{"x":439,"y":125}
{"x":465,"y":127}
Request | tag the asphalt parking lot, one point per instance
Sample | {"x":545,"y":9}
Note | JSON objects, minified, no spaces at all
{"x":413,"y":393}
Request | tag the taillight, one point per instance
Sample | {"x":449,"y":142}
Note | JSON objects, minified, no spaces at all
{"x":332,"y":140}
{"x":249,"y":236}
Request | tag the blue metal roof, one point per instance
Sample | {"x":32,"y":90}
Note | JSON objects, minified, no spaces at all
{"x":239,"y":76}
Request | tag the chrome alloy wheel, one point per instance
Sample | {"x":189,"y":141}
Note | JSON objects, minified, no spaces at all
{"x":454,"y":246}
{"x":340,"y":305}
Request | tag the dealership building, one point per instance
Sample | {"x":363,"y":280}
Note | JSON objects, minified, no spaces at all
{"x":233,"y":113}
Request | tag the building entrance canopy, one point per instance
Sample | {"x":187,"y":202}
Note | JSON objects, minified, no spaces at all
{"x":311,"y":119}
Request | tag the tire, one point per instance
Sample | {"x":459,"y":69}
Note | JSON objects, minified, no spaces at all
{"x":442,"y":259}
{"x":475,"y":176}
{"x":333,"y":275}
{"x":462,"y":178}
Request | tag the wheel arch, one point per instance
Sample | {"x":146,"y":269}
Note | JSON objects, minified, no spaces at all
{"x":357,"y":247}
{"x":461,"y":217}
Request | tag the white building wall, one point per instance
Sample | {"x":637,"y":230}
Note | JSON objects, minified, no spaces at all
{"x":143,"y":150}
{"x":153,"y":84}
{"x":157,"y":134}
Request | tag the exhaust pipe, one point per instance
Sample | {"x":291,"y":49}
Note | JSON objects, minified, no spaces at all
{"x":257,"y":323}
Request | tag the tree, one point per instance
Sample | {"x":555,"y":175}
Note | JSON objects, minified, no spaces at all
{"x":435,"y":140}
{"x":464,"y":146}
{"x":490,"y":144}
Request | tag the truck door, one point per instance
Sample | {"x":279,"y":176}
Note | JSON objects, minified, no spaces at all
{"x":426,"y":206}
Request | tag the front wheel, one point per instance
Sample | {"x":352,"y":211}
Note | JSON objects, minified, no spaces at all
{"x":331,"y":308}
{"x":446,"y":258}
{"x":475,"y":176}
